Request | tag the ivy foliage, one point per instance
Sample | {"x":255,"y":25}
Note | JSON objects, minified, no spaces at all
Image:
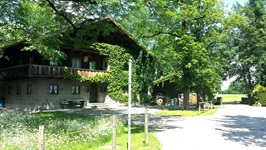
{"x":142,"y":70}
{"x":117,"y":77}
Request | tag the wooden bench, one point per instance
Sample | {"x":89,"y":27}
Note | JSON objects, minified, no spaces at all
{"x":72,"y":103}
{"x":64,"y":104}
{"x":210,"y":105}
{"x":205,"y":104}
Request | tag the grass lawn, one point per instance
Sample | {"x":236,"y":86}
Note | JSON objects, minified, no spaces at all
{"x":68,"y":131}
{"x":232,"y":98}
{"x":137,"y":140}
{"x":178,"y":111}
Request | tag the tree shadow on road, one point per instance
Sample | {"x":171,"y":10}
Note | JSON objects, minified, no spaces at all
{"x":157,"y":123}
{"x":250,"y":131}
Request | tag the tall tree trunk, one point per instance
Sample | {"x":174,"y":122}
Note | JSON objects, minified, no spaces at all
{"x":250,"y":85}
{"x":186,"y":98}
{"x":199,"y":95}
{"x":187,"y":81}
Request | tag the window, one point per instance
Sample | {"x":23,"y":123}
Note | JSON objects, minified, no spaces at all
{"x":125,"y":90}
{"x":86,"y":59}
{"x":75,"y":89}
{"x":105,"y":65}
{"x":18,"y":89}
{"x":75,"y":62}
{"x":29,"y":89}
{"x":92,"y":65}
{"x":87,"y":88}
{"x":54,"y":61}
{"x":103,"y":88}
{"x":53,"y":89}
{"x":31,"y":60}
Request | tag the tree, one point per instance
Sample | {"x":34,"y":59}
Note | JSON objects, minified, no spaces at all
{"x":32,"y":23}
{"x":41,"y":23}
{"x":249,"y":46}
{"x":184,"y":35}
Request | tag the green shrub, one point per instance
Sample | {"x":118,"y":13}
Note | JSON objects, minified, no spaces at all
{"x":145,"y":98}
{"x":259,"y":95}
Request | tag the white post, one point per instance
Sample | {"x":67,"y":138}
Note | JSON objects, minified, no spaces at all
{"x":129,"y":103}
{"x":41,"y":138}
{"x":114,"y":133}
{"x":146,"y":127}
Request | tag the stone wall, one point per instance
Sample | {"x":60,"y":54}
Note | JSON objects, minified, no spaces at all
{"x":39,"y":98}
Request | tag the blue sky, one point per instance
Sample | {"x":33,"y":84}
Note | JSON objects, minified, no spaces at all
{"x":231,"y":2}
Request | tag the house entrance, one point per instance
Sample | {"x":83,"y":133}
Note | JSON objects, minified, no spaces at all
{"x":93,"y":93}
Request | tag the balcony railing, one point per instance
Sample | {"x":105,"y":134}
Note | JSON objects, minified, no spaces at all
{"x":32,"y":70}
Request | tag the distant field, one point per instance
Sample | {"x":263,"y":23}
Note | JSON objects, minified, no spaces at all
{"x":232,"y":97}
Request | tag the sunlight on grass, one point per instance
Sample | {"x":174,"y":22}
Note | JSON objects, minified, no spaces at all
{"x":62,"y":130}
{"x":233,"y":98}
{"x":68,"y":131}
{"x":187,"y":113}
{"x":137,"y":140}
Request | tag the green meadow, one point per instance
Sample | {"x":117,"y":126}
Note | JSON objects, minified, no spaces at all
{"x":232,"y":98}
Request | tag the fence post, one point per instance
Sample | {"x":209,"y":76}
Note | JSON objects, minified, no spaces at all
{"x":114,"y":133}
{"x":146,"y":127}
{"x":41,"y":138}
{"x":199,"y":108}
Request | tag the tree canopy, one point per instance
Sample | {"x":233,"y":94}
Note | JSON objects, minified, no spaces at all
{"x":41,"y":23}
{"x":249,"y":46}
{"x":197,"y":43}
{"x":187,"y":37}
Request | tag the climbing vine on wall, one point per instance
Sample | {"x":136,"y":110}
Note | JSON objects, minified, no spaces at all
{"x":117,"y":76}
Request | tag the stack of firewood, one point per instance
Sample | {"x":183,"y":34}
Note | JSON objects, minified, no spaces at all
{"x":192,"y":99}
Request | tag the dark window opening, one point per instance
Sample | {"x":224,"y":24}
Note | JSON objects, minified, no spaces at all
{"x":53,"y":89}
{"x":29,"y":89}
{"x":125,"y":90}
{"x":18,"y":89}
{"x":9,"y":90}
{"x":103,"y":88}
{"x":75,"y":89}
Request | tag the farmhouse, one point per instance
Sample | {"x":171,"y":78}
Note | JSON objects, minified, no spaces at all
{"x":93,"y":71}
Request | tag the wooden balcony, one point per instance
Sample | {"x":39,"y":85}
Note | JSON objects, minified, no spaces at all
{"x":32,"y":70}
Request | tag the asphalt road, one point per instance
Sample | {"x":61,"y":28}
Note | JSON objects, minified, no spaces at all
{"x":233,"y":127}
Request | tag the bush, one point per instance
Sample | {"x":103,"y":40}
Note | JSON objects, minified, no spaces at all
{"x":259,"y":95}
{"x":145,"y":98}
